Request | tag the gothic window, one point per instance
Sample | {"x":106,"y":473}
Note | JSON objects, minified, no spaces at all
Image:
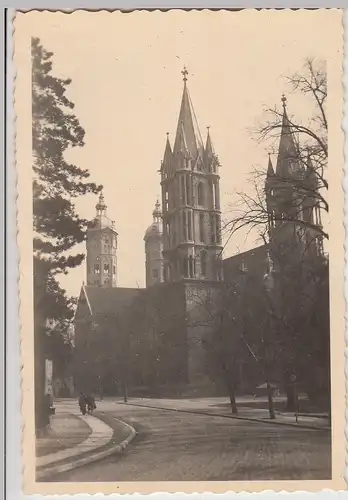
{"x":190,"y":226}
{"x":184,"y":225}
{"x":96,"y":268}
{"x":114,"y":269}
{"x":204,"y":262}
{"x":201,"y":227}
{"x":106,"y":268}
{"x":188,"y":197}
{"x":214,"y":195}
{"x":200,"y":192}
{"x":166,"y":200}
{"x":183,"y":190}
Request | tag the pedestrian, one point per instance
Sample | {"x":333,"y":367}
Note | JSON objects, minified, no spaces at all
{"x":83,"y":403}
{"x":91,"y":404}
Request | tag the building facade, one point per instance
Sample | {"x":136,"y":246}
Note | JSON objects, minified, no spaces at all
{"x":152,"y":339}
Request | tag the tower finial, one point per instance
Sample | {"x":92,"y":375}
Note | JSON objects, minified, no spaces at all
{"x":284,"y":99}
{"x":101,"y":206}
{"x":184,"y":74}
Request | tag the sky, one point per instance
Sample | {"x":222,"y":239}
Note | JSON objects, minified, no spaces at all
{"x":127,"y":86}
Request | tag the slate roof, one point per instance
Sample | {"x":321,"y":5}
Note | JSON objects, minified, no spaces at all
{"x":110,"y":300}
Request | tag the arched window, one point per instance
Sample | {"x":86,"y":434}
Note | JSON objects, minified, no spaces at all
{"x":183,"y":201}
{"x":201,"y":227}
{"x":200,"y":193}
{"x":189,"y":216}
{"x":214,"y":195}
{"x":184,"y":226}
{"x":188,"y":197}
{"x":204,"y":262}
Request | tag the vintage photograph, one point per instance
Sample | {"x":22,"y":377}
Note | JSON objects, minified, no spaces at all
{"x":180,"y":189}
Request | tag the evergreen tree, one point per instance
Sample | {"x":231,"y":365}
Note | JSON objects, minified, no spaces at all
{"x":57,"y":182}
{"x":57,"y":225}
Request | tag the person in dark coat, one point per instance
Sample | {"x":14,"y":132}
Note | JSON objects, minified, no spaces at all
{"x":91,"y":404}
{"x":83,"y":403}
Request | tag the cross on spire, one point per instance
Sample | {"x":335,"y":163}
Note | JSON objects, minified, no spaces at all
{"x":184,"y":74}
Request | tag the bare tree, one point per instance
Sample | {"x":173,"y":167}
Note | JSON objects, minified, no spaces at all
{"x":310,"y":155}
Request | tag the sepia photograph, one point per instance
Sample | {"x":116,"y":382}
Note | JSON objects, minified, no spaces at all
{"x":180,"y":219}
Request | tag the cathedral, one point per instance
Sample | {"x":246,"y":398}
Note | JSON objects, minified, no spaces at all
{"x":152,"y":337}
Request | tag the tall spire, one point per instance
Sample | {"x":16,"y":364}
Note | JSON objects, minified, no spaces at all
{"x":188,"y":137}
{"x":288,"y":153}
{"x":270,"y":169}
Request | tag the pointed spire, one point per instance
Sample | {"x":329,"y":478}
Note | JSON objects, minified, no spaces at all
{"x":270,"y":169}
{"x":187,"y":134}
{"x":165,"y":164}
{"x":168,"y":149}
{"x":209,"y":149}
{"x":288,"y":154}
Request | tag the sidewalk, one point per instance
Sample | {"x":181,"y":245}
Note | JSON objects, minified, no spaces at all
{"x":221,"y":407}
{"x":82,"y":439}
{"x":66,"y":430}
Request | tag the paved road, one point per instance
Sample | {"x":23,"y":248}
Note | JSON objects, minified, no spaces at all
{"x":175,"y":446}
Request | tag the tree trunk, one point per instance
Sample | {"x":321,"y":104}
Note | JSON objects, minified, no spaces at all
{"x":270,"y":402}
{"x":233,"y":403}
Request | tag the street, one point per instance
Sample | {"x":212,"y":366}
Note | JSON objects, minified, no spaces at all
{"x":173,"y":446}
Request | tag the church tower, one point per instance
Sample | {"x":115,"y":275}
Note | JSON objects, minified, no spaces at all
{"x":192,"y":246}
{"x":153,"y":249}
{"x":101,"y":249}
{"x":293,"y":211}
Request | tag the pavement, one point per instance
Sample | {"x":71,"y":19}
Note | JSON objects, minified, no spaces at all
{"x":81,"y":439}
{"x":219,"y":406}
{"x":181,"y":446}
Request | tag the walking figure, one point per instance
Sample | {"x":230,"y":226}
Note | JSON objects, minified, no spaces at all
{"x":90,"y":404}
{"x":83,"y":403}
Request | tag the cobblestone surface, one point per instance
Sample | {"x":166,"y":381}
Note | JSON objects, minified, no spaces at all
{"x":182,"y":447}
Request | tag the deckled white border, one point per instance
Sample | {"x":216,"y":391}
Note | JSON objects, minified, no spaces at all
{"x":13,"y":395}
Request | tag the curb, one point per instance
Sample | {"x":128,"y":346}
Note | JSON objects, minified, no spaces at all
{"x":251,"y":419}
{"x":90,"y":458}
